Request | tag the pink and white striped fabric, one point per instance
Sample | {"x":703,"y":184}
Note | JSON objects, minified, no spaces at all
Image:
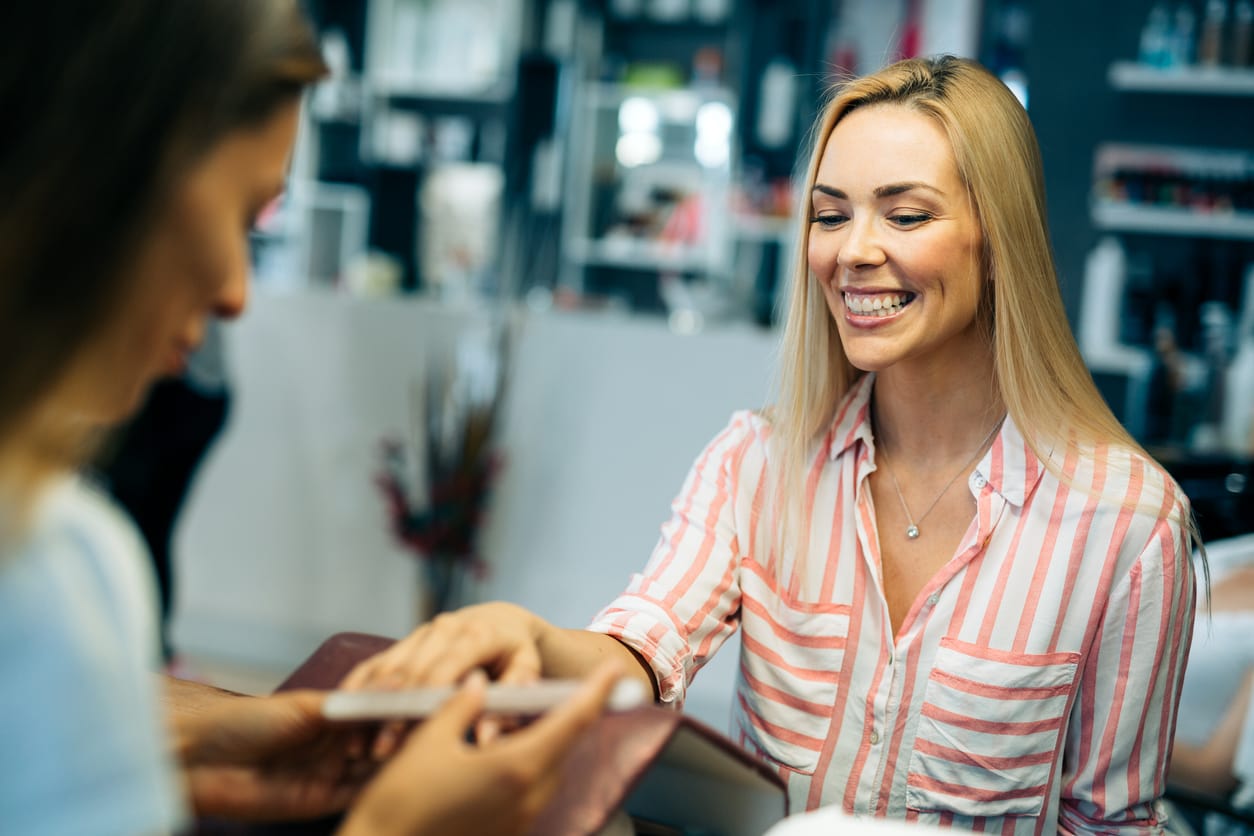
{"x":1034,"y":683}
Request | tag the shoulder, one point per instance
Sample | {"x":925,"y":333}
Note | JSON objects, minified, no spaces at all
{"x":738,"y":450}
{"x":85,"y":558}
{"x":1127,"y":492}
{"x":77,"y":696}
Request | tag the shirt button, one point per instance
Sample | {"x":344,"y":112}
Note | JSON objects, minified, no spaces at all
{"x":977,"y":480}
{"x":875,"y":737}
{"x":933,"y":599}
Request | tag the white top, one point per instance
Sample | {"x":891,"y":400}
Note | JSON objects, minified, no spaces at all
{"x":83,"y":748}
{"x":1221,"y":657}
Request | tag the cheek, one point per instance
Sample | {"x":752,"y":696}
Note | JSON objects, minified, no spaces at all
{"x":821,"y":255}
{"x":215,"y":255}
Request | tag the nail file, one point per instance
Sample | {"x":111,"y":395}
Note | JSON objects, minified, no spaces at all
{"x":517,"y":700}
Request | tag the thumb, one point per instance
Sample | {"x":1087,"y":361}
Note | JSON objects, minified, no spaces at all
{"x":460,"y":711}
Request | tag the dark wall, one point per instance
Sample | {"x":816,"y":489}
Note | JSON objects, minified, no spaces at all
{"x":1074,"y":109}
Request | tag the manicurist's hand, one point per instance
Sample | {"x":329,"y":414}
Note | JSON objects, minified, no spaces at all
{"x":264,"y":758}
{"x":440,"y":784}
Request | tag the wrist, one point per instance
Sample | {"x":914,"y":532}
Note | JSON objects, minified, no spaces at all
{"x":188,"y":706}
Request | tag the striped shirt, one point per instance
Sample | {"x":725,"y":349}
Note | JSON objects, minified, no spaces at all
{"x":1033,"y":684}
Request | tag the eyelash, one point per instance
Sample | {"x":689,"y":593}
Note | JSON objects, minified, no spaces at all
{"x":903,"y":221}
{"x":829,"y":221}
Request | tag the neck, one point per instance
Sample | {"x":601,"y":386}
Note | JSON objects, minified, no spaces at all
{"x":935,"y":417}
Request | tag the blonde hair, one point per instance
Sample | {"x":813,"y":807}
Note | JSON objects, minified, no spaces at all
{"x":1040,"y":374}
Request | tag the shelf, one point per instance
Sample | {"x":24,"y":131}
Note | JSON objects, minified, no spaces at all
{"x":434,"y":98}
{"x":645,"y":256}
{"x":672,"y":100}
{"x":1215,"y":81}
{"x":1169,"y":221}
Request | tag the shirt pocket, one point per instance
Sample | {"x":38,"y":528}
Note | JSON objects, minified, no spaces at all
{"x":790,"y":663}
{"x":989,"y":729}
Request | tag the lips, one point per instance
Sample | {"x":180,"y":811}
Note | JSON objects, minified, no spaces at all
{"x":877,"y":305}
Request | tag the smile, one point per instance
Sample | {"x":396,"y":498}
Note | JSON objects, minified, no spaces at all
{"x":877,"y":304}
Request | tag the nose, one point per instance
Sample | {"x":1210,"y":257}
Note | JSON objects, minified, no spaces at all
{"x":233,"y":297}
{"x":860,"y":247}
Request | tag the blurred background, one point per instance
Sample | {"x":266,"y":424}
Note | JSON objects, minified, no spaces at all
{"x":538,"y":246}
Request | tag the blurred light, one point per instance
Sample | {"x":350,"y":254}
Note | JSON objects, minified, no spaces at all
{"x":712,"y":152}
{"x":714,"y":119}
{"x":637,"y":115}
{"x":636,"y":149}
{"x":1017,"y":81}
{"x":714,"y":126}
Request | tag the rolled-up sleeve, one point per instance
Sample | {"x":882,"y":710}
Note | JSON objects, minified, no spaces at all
{"x":686,"y":603}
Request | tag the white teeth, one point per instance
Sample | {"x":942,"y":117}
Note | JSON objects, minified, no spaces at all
{"x":879,"y":305}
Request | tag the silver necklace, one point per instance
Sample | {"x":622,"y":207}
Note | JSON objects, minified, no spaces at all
{"x":912,"y":530}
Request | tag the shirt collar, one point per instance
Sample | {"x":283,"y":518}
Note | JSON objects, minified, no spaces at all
{"x":853,"y":418}
{"x":1009,"y":467}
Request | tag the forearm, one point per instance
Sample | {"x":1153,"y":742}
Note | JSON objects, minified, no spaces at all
{"x":185,"y":704}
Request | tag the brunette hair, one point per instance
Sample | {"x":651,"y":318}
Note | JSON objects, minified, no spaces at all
{"x":108,"y":104}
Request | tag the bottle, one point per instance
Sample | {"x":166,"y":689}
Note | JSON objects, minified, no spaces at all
{"x":1208,"y":435}
{"x":1239,"y":408}
{"x":1180,"y":48}
{"x":777,"y":98}
{"x":1242,"y":44}
{"x":1154,"y":37}
{"x":1210,"y":42}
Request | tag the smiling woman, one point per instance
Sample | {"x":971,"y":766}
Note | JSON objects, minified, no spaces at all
{"x":895,"y":245}
{"x":965,"y":593}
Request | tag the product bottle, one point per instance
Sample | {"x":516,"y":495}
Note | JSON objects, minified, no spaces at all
{"x":1154,"y":37}
{"x":1182,"y":37}
{"x":1239,"y":408}
{"x":1239,"y":53}
{"x":1208,"y":435}
{"x":1210,"y":42}
{"x":777,"y":97}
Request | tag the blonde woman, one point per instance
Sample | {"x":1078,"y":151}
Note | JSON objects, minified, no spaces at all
{"x":145,"y":137}
{"x":964,"y":591}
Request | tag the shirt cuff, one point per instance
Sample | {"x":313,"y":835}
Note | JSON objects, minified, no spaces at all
{"x":649,"y":630}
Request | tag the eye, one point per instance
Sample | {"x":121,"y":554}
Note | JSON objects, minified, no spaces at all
{"x":829,"y":220}
{"x":907,"y":221}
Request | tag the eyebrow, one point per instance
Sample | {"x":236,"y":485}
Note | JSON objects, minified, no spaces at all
{"x":880,"y":191}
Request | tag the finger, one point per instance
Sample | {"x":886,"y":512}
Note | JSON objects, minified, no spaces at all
{"x":547,"y":741}
{"x":523,"y":666}
{"x":453,"y":719}
{"x":410,"y":662}
{"x":487,"y":730}
{"x":461,"y":648}
{"x":372,"y":669}
{"x":388,"y":740}
{"x":523,"y":669}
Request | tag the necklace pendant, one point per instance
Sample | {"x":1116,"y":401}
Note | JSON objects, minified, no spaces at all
{"x":913,"y":532}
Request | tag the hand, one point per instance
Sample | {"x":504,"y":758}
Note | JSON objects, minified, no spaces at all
{"x":501,"y":638}
{"x":439,"y":784}
{"x":270,"y":758}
